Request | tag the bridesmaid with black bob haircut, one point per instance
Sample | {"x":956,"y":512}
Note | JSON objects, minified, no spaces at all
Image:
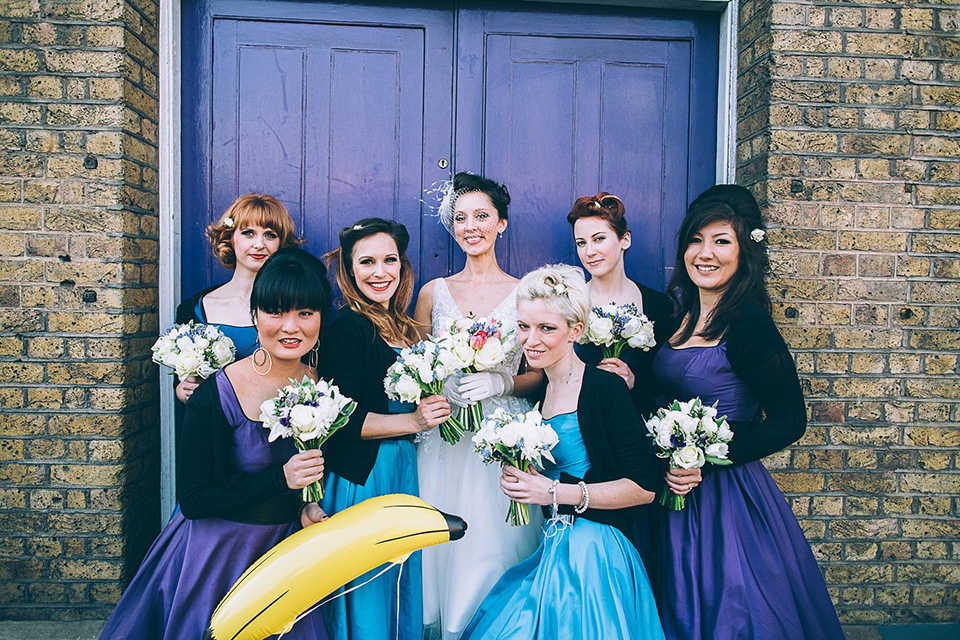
{"x":734,"y":562}
{"x":374,"y":454}
{"x":239,"y":493}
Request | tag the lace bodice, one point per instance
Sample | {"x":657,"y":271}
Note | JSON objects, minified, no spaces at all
{"x":445,"y":311}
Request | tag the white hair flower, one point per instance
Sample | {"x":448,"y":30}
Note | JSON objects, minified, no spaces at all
{"x":228,"y":222}
{"x":559,"y":288}
{"x":757,"y":235}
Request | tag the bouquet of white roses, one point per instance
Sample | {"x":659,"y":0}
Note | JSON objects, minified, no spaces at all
{"x":193,"y":349}
{"x":517,"y":439}
{"x":309,"y":412}
{"x":419,"y":372}
{"x":614,"y":327}
{"x":690,"y":435}
{"x":477,"y":345}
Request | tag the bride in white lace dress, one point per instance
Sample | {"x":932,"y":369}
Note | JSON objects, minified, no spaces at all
{"x":456,"y":577}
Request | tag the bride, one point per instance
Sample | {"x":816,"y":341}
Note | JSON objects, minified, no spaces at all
{"x":453,"y":478}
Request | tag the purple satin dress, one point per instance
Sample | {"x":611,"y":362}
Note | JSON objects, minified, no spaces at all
{"x":193,"y":563}
{"x":734,"y":563}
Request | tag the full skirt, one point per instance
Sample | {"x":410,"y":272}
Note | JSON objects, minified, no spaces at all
{"x":187,"y":571}
{"x":584,"y":581}
{"x":734,"y":564}
{"x":388,"y":607}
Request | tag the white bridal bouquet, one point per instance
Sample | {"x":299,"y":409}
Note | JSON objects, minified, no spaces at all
{"x":419,"y":372}
{"x":193,"y":349}
{"x":689,"y":434}
{"x":614,"y":327}
{"x":477,"y":345}
{"x":517,"y":439}
{"x":309,"y":412}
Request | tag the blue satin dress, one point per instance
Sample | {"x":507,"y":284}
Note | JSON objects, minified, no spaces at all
{"x":371,"y":612}
{"x":245,"y":339}
{"x":585,"y":580}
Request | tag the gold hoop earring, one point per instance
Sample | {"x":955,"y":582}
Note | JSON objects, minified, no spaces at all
{"x":265,"y":359}
{"x":314,"y":358}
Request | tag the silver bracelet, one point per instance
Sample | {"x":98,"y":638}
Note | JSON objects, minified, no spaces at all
{"x":553,"y":494}
{"x":584,"y":500}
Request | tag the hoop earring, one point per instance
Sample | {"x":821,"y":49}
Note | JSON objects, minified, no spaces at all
{"x":314,"y":358}
{"x":265,"y":359}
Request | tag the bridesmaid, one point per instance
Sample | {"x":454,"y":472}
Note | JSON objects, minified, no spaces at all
{"x":373,"y":454}
{"x":453,"y":478}
{"x":601,"y":236}
{"x":734,"y":563}
{"x":247,"y":233}
{"x":240,"y":493}
{"x":585,"y":580}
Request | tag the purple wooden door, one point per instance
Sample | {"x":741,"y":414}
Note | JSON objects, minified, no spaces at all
{"x":325,"y":109}
{"x":560,"y":105}
{"x":346,"y":111}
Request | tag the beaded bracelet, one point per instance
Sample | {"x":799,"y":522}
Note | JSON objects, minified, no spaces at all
{"x":585,"y":500}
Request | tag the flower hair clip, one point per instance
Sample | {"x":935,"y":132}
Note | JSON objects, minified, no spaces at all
{"x":228,"y":222}
{"x":757,"y":235}
{"x":357,"y":227}
{"x":560,"y":289}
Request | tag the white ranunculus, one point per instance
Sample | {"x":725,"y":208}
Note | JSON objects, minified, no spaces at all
{"x":490,"y":355}
{"x":687,"y":424}
{"x":664,"y":439}
{"x":223,"y":351}
{"x":205,"y":369}
{"x":717,"y":450}
{"x":689,"y":457}
{"x":408,"y":389}
{"x":509,"y":435}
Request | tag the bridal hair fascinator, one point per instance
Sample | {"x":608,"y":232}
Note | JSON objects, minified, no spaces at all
{"x":228,"y":222}
{"x":448,"y":200}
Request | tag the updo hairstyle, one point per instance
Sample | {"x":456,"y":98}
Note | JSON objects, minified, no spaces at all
{"x":248,"y":210}
{"x":605,"y":206}
{"x":562,"y":287}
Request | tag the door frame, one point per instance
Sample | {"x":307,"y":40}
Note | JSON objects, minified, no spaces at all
{"x":170,"y":166}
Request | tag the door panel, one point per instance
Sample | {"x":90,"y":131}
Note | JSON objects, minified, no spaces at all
{"x":329,"y":116}
{"x":562,"y":105}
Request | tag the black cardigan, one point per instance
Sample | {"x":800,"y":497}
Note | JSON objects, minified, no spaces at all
{"x":355,"y":358}
{"x":185,"y":310}
{"x":658,"y":308}
{"x":616,"y":443}
{"x":759,"y":357}
{"x":207,"y":484}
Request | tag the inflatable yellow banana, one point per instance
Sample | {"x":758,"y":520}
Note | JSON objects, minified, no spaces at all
{"x":312,"y":563}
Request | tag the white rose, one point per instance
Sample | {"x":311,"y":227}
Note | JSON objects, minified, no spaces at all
{"x":690,"y":457}
{"x":464,"y":354}
{"x":408,"y":389}
{"x":223,"y":351}
{"x":187,"y":363}
{"x":642,"y":339}
{"x":601,"y":329}
{"x":717,"y":450}
{"x":490,"y":355}
{"x":301,"y":417}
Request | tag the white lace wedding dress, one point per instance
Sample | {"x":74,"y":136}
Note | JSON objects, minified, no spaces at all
{"x":458,"y":575}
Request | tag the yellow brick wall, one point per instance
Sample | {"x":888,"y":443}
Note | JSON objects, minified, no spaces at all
{"x":79,"y":429}
{"x":849,"y":132}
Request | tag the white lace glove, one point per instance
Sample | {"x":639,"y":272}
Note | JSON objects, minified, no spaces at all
{"x":450,"y":392}
{"x":486,"y":384}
